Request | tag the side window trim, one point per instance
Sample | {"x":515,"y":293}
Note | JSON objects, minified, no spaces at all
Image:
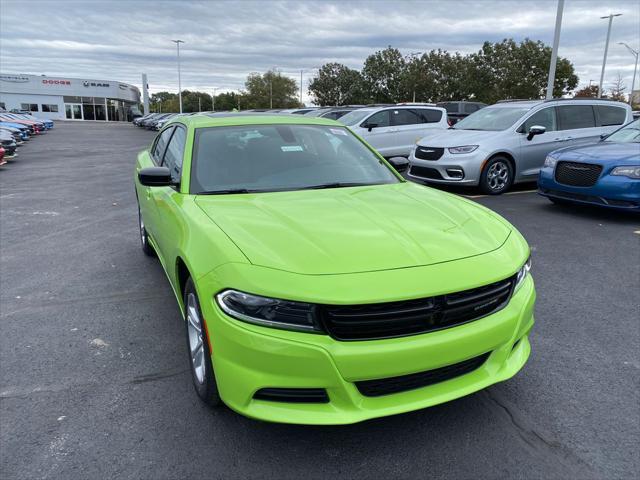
{"x":166,"y":148}
{"x":153,"y":156}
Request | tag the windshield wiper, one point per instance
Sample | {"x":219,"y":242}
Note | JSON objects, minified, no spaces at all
{"x":227,"y":192}
{"x":334,"y":185}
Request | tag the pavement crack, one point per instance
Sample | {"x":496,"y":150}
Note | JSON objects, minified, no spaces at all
{"x":152,"y":377}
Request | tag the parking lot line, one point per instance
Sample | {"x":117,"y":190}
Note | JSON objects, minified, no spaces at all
{"x":508,"y":193}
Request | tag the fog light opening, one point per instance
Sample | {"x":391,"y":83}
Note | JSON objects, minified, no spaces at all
{"x":456,"y":173}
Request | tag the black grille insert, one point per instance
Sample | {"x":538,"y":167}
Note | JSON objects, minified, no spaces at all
{"x":425,"y":172}
{"x":428,"y":153}
{"x":411,"y":317}
{"x":293,"y":395}
{"x":577,"y":174}
{"x":404,"y":383}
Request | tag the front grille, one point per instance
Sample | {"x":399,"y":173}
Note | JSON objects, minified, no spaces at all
{"x":577,"y":174}
{"x":293,"y":395}
{"x":428,"y":153}
{"x":387,"y":386}
{"x":412,"y":317}
{"x":425,"y":172}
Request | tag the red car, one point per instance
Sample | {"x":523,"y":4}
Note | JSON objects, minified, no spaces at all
{"x":2,"y":160}
{"x":34,"y":127}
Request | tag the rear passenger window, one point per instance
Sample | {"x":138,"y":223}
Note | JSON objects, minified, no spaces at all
{"x":571,"y":117}
{"x":471,"y":107}
{"x":380,"y":119}
{"x":428,"y":115}
{"x":608,"y":115}
{"x":404,"y":117}
{"x":175,"y":152}
{"x":544,"y":118}
{"x":161,"y":142}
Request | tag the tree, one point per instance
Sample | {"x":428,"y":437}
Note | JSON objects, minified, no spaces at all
{"x":229,"y":101}
{"x":164,"y":102}
{"x":195,"y":101}
{"x":508,"y":70}
{"x":617,"y":90}
{"x":271,"y":90}
{"x":588,"y":91}
{"x":337,"y":84}
{"x":384,"y":74}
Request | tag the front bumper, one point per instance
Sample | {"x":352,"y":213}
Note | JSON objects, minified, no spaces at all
{"x":444,"y":170}
{"x":617,"y":192}
{"x":248,"y":358}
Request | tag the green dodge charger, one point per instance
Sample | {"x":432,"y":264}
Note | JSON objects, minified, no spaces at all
{"x":317,"y":285}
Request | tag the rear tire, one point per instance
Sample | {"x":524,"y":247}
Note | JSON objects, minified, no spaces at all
{"x":204,"y":380}
{"x":497,"y":176}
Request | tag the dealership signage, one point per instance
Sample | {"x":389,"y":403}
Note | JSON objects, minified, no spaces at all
{"x":14,"y":78}
{"x":47,"y":81}
{"x":87,"y":83}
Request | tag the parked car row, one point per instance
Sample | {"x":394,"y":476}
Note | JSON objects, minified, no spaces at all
{"x":17,"y":128}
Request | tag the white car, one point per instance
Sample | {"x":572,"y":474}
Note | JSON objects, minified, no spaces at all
{"x":394,"y":130}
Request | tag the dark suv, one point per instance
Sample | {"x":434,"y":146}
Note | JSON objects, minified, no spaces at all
{"x":458,"y":110}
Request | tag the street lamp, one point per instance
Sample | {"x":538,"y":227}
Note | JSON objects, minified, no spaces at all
{"x":413,"y":55}
{"x":606,"y":49}
{"x":213,"y":99}
{"x":554,"y":52}
{"x":635,"y":53}
{"x":178,"y":42}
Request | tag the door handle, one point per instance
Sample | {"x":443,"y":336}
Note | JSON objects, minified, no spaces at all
{"x":566,"y":139}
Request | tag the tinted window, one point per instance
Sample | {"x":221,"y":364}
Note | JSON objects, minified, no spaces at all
{"x":571,"y":117}
{"x":428,"y":115}
{"x":261,"y":158}
{"x":492,"y":118}
{"x":608,"y":115}
{"x":381,"y":119}
{"x":449,"y":107}
{"x":161,"y":143}
{"x":404,"y":117}
{"x":175,"y":152}
{"x":544,"y":118}
{"x":471,"y":107}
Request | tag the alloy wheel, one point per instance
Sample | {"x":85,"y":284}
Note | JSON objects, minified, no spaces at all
{"x":196,"y":342}
{"x":498,"y":176}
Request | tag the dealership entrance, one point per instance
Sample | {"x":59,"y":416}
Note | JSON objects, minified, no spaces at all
{"x":73,"y":111}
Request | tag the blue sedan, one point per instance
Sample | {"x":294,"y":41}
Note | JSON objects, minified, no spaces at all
{"x":606,"y":173}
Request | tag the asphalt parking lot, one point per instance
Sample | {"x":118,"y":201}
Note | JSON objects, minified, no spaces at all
{"x":94,"y":379}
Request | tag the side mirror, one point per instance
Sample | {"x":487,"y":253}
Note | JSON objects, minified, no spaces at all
{"x":603,"y":136}
{"x":536,"y":130}
{"x":155,"y":177}
{"x":399,"y":163}
{"x":370,"y":126}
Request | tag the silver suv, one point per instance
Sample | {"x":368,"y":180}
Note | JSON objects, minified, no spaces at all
{"x":507,"y":142}
{"x":393,"y":130}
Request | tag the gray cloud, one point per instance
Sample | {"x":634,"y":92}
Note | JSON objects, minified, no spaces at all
{"x":227,"y":40}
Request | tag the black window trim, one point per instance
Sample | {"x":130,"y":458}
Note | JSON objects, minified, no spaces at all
{"x":184,"y":147}
{"x":155,"y":142}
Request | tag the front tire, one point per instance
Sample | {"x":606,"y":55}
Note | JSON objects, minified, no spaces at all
{"x":144,"y":237}
{"x":204,"y":380}
{"x":497,"y":176}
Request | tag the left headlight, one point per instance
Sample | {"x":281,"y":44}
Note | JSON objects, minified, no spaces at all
{"x":631,"y":171}
{"x":522,"y":274}
{"x":269,"y":312}
{"x":550,"y":162}
{"x":463,"y":149}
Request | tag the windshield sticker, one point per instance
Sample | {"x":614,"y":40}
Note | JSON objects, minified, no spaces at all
{"x":338,"y":131}
{"x":292,"y":148}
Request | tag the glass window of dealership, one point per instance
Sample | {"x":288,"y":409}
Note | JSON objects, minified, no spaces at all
{"x":70,"y":98}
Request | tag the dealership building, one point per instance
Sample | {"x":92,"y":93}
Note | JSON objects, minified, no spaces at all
{"x":69,"y":98}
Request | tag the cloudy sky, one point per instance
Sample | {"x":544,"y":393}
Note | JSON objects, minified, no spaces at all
{"x":117,"y":40}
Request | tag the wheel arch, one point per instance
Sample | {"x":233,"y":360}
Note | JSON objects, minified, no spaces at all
{"x":182,"y":274}
{"x":507,"y":155}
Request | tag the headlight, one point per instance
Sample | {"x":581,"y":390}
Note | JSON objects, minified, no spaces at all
{"x":631,"y":171}
{"x":550,"y":162}
{"x":522,"y":274}
{"x":463,"y":149}
{"x":269,"y":312}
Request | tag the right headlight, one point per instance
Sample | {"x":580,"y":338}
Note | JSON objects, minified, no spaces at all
{"x":550,"y":162}
{"x":632,"y":171}
{"x":522,"y":274}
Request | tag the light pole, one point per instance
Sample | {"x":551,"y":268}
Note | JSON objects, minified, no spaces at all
{"x":301,"y":104}
{"x":178,"y":42}
{"x":213,"y":100}
{"x":606,"y":49}
{"x":636,"y":54}
{"x":554,"y":52}
{"x":413,"y":55}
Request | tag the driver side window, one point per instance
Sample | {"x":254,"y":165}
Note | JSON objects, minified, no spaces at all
{"x":380,"y":119}
{"x":544,"y":118}
{"x":161,"y":143}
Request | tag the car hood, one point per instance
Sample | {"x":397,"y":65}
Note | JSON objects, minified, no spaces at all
{"x":601,"y":152}
{"x":355,"y":229}
{"x":455,"y":138}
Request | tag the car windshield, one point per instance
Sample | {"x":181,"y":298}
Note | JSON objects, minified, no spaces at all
{"x":630,"y":133}
{"x":355,"y":117}
{"x":492,"y":118}
{"x":266,"y":158}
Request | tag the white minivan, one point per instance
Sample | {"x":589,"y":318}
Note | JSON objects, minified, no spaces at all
{"x":394,"y":130}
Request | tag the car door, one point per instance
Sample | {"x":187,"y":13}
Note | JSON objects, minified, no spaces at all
{"x":167,"y":200}
{"x":577,"y":124}
{"x":408,"y":129}
{"x":145,"y":194}
{"x":533,"y":151}
{"x":378,"y":132}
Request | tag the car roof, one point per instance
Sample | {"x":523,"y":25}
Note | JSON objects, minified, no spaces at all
{"x":257,"y":118}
